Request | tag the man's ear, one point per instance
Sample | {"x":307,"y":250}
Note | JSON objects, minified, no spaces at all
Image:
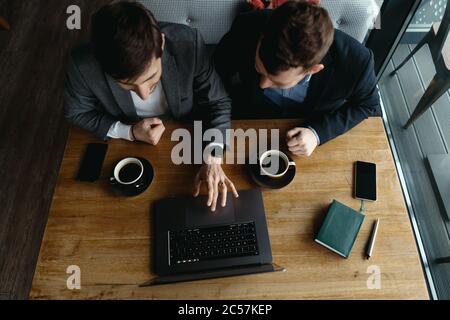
{"x":315,"y":69}
{"x":163,"y":41}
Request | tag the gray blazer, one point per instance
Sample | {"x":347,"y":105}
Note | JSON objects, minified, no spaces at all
{"x":94,"y":101}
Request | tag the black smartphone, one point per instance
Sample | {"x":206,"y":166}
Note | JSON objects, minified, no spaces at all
{"x":365,"y":181}
{"x":92,"y":162}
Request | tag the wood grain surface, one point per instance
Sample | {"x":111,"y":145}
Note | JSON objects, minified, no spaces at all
{"x":33,"y":131}
{"x":109,"y":236}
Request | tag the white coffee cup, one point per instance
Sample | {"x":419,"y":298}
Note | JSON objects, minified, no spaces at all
{"x":277,"y":159}
{"x":124,"y":162}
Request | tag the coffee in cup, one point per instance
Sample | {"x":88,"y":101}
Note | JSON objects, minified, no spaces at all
{"x":274,"y":163}
{"x":128,"y":172}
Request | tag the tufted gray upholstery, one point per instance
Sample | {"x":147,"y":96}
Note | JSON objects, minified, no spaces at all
{"x":354,"y":17}
{"x":214,"y":17}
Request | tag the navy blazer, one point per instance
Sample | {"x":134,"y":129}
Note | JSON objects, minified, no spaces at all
{"x":339,"y":97}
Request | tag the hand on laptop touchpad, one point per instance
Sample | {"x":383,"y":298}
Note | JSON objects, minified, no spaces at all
{"x":200,"y":214}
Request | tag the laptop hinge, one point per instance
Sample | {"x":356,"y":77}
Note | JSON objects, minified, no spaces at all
{"x":219,"y":273}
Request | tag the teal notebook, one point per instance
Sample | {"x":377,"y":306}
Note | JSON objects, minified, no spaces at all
{"x":340,"y":229}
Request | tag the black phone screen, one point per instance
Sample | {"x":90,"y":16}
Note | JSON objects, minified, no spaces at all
{"x":92,"y":162}
{"x":365,"y":180}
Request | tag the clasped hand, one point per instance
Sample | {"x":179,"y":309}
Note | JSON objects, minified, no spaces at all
{"x":148,"y":130}
{"x":301,"y":141}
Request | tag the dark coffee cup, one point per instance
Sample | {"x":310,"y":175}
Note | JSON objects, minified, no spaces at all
{"x":274,"y":164}
{"x":128,"y":173}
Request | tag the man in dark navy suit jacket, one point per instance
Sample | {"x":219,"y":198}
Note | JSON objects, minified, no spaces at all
{"x":293,"y":63}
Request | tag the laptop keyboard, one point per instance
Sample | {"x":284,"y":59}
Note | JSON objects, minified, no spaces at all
{"x":219,"y":242}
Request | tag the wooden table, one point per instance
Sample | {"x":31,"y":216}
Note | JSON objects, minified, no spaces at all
{"x":108,"y":237}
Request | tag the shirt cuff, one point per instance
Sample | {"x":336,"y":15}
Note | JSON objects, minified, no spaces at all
{"x":118,"y":130}
{"x":315,"y":133}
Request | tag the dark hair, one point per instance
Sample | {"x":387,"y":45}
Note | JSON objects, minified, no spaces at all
{"x":125,"y":38}
{"x":297,"y":34}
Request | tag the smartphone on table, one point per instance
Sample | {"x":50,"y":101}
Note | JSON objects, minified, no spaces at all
{"x":365,"y":181}
{"x":92,"y":162}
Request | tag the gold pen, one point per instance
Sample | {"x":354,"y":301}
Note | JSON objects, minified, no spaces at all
{"x":372,"y":239}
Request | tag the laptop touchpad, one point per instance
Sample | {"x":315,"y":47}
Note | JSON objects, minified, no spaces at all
{"x":199,"y":214}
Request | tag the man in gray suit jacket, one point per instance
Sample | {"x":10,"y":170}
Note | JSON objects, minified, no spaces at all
{"x":136,"y":73}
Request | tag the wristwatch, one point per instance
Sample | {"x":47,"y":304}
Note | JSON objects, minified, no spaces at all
{"x":133,"y":138}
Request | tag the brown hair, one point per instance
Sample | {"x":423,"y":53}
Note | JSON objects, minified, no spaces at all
{"x":297,"y":34}
{"x":125,"y":38}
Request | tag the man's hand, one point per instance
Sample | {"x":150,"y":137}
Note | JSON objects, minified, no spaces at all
{"x":148,"y":130}
{"x":301,"y":141}
{"x":215,"y":180}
